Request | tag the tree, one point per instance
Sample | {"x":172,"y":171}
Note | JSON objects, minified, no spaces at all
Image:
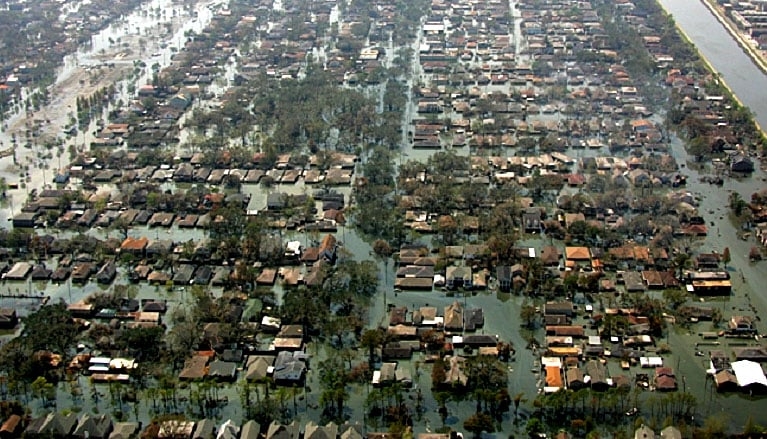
{"x":144,"y":342}
{"x":519,"y":398}
{"x":681,"y":262}
{"x":737,"y":204}
{"x":333,"y":379}
{"x":43,"y":389}
{"x":371,"y":339}
{"x":528,"y":314}
{"x":534,"y":426}
{"x":438,"y":373}
{"x":381,"y":248}
{"x":752,"y":429}
{"x":479,"y":422}
{"x":675,"y":297}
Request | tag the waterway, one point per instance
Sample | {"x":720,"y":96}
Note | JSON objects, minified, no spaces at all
{"x":713,"y":41}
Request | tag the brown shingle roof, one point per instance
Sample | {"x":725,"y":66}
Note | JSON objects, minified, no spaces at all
{"x":577,"y":253}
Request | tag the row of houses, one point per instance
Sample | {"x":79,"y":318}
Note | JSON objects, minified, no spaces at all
{"x":72,"y":425}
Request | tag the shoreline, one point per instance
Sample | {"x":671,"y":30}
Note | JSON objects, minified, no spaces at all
{"x":756,"y":59}
{"x":753,"y":53}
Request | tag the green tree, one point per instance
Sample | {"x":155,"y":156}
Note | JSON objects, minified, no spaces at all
{"x":675,"y":297}
{"x":333,"y":379}
{"x":479,"y":422}
{"x":43,"y":389}
{"x":528,"y":314}
{"x":371,"y":339}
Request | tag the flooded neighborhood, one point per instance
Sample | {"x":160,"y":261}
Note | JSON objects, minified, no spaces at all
{"x":382,"y":219}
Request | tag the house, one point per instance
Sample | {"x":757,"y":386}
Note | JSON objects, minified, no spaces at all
{"x":175,"y":429}
{"x":750,"y":376}
{"x":670,"y":432}
{"x":194,"y":368}
{"x":753,"y":353}
{"x":741,"y":325}
{"x":455,"y":374}
{"x":327,"y":249}
{"x":180,"y":101}
{"x":250,"y":430}
{"x":725,"y":381}
{"x":223,"y":370}
{"x":741,"y":164}
{"x":454,"y":317}
{"x":107,"y":273}
{"x":574,"y":378}
{"x":25,"y":220}
{"x":52,"y":425}
{"x":124,"y":430}
{"x":458,"y":277}
{"x":11,"y":427}
{"x":202,"y":275}
{"x":644,"y":432}
{"x":82,"y":272}
{"x":204,"y":429}
{"x":665,"y":381}
{"x":19,"y":271}
{"x":220,"y":276}
{"x":476,"y":341}
{"x":289,"y":368}
{"x":134,"y":246}
{"x":597,"y":373}
{"x":564,"y":308}
{"x":473,"y":318}
{"x":40,"y":273}
{"x":277,"y":430}
{"x":183,"y":274}
{"x":415,"y":277}
{"x":531,"y":220}
{"x":258,"y":367}
{"x":565,"y":331}
{"x":504,"y":277}
{"x":550,"y":256}
{"x":397,"y":351}
{"x":314,"y":431}
{"x":577,"y":254}
{"x":554,"y":381}
{"x":93,"y":426}
{"x":228,"y":430}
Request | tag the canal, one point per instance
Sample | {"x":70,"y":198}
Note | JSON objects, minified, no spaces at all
{"x":713,"y":41}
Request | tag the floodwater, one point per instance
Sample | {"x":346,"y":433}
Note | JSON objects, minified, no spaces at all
{"x":502,"y":314}
{"x":151,"y":35}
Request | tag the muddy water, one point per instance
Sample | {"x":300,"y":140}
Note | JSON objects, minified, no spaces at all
{"x":149,"y":35}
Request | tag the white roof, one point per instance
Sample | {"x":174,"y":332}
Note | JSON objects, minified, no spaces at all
{"x":748,"y":372}
{"x":294,"y":247}
{"x":650,"y":361}
{"x":99,"y":360}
